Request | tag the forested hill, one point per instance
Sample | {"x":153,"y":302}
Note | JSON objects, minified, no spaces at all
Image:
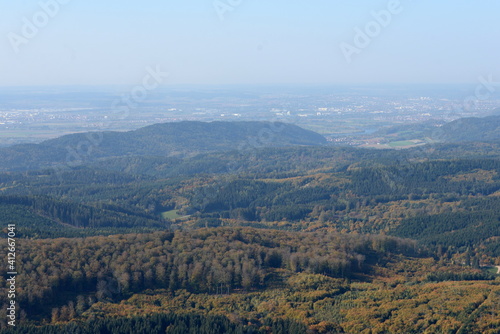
{"x":469,"y":129}
{"x":168,"y":139}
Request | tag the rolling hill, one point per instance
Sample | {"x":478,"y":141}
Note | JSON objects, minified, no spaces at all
{"x":162,"y":140}
{"x":468,"y":129}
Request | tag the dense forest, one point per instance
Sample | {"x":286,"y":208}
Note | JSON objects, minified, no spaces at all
{"x":278,"y":235}
{"x":462,"y":130}
{"x":167,"y":323}
{"x":202,"y":261}
{"x":163,"y":140}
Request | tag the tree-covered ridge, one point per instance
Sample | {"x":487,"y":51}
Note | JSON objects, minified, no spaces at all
{"x":159,"y":140}
{"x":312,"y":188}
{"x":469,"y":129}
{"x":45,"y":217}
{"x":261,"y":235}
{"x":393,"y":198}
{"x":156,"y":148}
{"x":209,"y":260}
{"x":31,"y":224}
{"x":479,"y":225}
{"x":248,"y":279}
{"x":167,"y":323}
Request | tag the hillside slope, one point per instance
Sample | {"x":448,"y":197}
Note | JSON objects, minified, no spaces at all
{"x":469,"y":129}
{"x":165,"y":140}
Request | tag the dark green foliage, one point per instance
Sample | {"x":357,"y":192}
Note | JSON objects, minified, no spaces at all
{"x":469,"y":129}
{"x":43,"y":217}
{"x":163,"y":140}
{"x":163,"y":323}
{"x":458,"y":131}
{"x":460,"y":229}
{"x":424,"y":178}
{"x":450,"y":276}
{"x":257,"y":200}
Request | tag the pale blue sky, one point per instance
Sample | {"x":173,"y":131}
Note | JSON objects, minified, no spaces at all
{"x":258,"y":42}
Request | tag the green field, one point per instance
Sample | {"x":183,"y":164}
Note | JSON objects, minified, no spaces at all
{"x":491,"y":270}
{"x":401,"y":143}
{"x":172,"y":214}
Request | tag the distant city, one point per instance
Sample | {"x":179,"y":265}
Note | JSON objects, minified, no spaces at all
{"x":342,"y":114}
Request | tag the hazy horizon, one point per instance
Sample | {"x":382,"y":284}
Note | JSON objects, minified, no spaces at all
{"x":221,"y":42}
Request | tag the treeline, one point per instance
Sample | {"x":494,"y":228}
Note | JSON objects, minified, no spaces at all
{"x":370,"y":178}
{"x":167,"y":324}
{"x":293,"y":161}
{"x":135,"y":192}
{"x":257,"y":200}
{"x":339,"y":193}
{"x":471,"y":227}
{"x":254,"y":200}
{"x":84,"y":216}
{"x":426,"y":178}
{"x":45,"y":217}
{"x":167,"y":139}
{"x":29,"y":224}
{"x":78,"y":175}
{"x":209,"y":260}
{"x":452,"y":276}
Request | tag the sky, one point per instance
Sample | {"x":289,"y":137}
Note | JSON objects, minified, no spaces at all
{"x":215,"y":42}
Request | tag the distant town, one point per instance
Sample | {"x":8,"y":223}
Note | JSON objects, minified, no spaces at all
{"x":344,"y":115}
